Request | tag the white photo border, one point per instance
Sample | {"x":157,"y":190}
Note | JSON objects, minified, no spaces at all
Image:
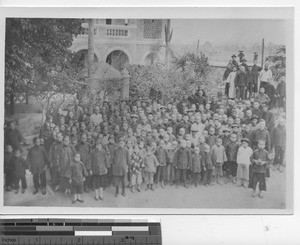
{"x":283,"y":13}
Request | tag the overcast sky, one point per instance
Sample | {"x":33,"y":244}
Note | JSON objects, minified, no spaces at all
{"x":228,"y":31}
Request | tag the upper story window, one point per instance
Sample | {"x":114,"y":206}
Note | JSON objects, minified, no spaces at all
{"x":108,"y":21}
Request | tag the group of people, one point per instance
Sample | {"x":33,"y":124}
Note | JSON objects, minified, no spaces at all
{"x":145,"y":145}
{"x":244,"y":82}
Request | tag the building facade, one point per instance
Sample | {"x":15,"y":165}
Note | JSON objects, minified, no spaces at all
{"x":122,"y":41}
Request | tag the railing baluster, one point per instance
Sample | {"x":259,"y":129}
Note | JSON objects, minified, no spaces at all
{"x":116,"y":32}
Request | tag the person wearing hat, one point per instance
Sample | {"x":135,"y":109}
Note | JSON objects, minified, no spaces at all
{"x":190,"y":112}
{"x":234,"y":62}
{"x":244,"y":64}
{"x":236,"y":130}
{"x":240,"y":82}
{"x":243,"y":160}
{"x":120,"y":162}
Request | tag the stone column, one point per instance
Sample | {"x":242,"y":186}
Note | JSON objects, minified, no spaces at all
{"x":125,"y":88}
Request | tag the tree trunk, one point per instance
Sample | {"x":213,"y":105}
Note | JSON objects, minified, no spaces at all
{"x":167,"y":38}
{"x":91,"y":52}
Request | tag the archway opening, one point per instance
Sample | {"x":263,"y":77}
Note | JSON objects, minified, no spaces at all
{"x":149,"y":60}
{"x":82,"y":56}
{"x":118,"y":59}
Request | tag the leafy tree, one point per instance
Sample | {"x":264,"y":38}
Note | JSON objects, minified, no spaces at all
{"x":185,"y":74}
{"x":168,"y":38}
{"x":37,"y":58}
{"x":278,"y":62}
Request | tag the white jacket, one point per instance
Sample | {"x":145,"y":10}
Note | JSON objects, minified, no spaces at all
{"x":244,"y":154}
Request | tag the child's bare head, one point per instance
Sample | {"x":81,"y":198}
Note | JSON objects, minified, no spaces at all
{"x":174,"y":144}
{"x":212,"y":131}
{"x":202,"y":139}
{"x":206,"y":148}
{"x":149,"y":150}
{"x":161,"y":143}
{"x":233,"y":137}
{"x":77,"y":157}
{"x":261,"y":144}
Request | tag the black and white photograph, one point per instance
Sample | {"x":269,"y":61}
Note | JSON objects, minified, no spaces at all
{"x":175,"y":113}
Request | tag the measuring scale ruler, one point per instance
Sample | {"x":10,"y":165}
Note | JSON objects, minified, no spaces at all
{"x":80,"y":231}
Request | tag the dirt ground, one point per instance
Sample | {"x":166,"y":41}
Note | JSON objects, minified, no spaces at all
{"x":227,"y":196}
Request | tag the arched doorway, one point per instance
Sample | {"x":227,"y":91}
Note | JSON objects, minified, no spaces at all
{"x":118,"y":59}
{"x":149,"y":59}
{"x":82,"y":56}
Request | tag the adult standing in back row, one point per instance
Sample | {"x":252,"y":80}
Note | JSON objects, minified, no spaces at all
{"x":231,"y":85}
{"x":265,"y":76}
{"x":255,"y":70}
{"x":241,"y":83}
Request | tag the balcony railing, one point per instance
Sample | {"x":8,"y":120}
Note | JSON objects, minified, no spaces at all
{"x":111,"y":32}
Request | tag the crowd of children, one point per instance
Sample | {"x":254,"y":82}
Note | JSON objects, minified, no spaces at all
{"x":145,"y":145}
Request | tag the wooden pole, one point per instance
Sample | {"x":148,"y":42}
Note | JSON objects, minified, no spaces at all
{"x":262,"y":53}
{"x":198,"y":47}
